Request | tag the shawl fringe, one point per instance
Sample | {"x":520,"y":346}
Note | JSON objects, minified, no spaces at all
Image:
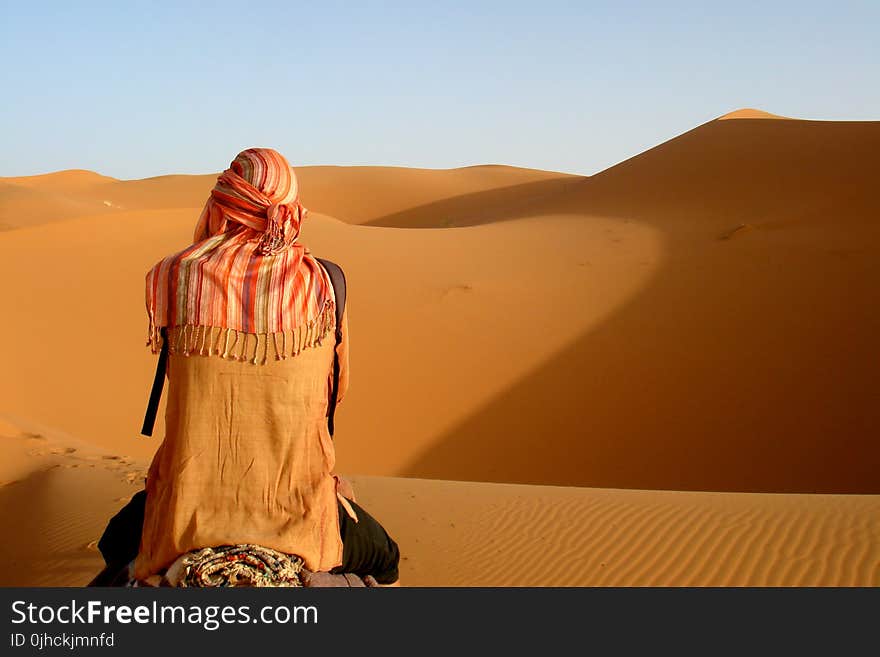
{"x":229,"y":343}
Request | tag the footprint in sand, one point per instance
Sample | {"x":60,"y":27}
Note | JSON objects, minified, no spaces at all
{"x":54,"y":451}
{"x":115,"y":462}
{"x":135,"y":476}
{"x":735,"y":231}
{"x":462,"y":288}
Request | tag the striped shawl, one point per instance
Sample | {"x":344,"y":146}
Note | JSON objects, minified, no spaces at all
{"x":246,"y":288}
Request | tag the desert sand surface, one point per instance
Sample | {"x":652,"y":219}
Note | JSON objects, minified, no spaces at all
{"x":58,"y":494}
{"x":701,"y":317}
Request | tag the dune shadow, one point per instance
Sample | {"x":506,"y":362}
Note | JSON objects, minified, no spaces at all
{"x":33,"y":552}
{"x":477,"y":208}
{"x":744,"y":364}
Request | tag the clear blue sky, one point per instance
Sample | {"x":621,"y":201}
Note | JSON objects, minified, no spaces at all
{"x":135,"y":89}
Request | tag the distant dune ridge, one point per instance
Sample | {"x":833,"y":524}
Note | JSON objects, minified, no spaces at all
{"x":381,"y":196}
{"x":701,"y":317}
{"x":749,"y":113}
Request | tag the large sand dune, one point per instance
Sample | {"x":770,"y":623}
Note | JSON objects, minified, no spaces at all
{"x":698,"y":318}
{"x":747,"y":361}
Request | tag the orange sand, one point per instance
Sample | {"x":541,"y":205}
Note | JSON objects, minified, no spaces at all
{"x":701,"y":317}
{"x":477,"y":534}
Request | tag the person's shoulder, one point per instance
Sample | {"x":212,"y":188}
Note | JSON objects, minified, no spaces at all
{"x":170,"y":259}
{"x":326,"y":261}
{"x":333,"y":268}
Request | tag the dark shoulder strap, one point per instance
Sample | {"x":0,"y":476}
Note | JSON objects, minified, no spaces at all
{"x":337,"y":278}
{"x":158,"y":384}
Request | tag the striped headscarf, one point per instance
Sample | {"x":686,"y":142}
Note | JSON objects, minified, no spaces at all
{"x":246,"y":288}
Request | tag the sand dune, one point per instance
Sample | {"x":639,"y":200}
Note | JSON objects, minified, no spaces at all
{"x":746,"y":363}
{"x":56,"y":495}
{"x":426,"y":198}
{"x":452,"y":299}
{"x":25,"y":206}
{"x":73,"y":181}
{"x":361,"y":195}
{"x":771,"y":174}
{"x":750,"y":113}
{"x":701,"y":317}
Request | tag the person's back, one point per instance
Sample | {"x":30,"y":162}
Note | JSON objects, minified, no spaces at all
{"x":248,"y":315}
{"x":246,"y":459}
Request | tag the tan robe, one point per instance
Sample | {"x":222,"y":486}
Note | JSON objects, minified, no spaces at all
{"x":247,"y":458}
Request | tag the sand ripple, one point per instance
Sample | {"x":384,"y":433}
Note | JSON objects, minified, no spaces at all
{"x":510,"y":535}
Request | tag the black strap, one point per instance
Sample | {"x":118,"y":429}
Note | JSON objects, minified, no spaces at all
{"x":158,"y":384}
{"x":337,"y":278}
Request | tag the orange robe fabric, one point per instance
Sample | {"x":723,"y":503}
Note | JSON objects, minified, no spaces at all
{"x":246,"y":458}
